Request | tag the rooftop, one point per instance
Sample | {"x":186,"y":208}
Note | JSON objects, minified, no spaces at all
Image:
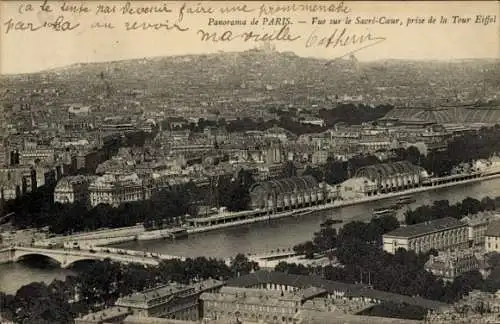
{"x":315,"y":317}
{"x":253,"y":296}
{"x":67,"y":182}
{"x":386,"y":170}
{"x":285,"y":185}
{"x":153,"y":320}
{"x":426,"y":227}
{"x":106,"y":314}
{"x":481,"y":217}
{"x":166,"y":291}
{"x":352,"y":290}
{"x":493,"y":229}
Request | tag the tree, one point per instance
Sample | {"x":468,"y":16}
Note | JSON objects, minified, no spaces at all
{"x":245,"y":178}
{"x":7,"y":306}
{"x":470,"y":206}
{"x":241,"y":265}
{"x":173,"y":270}
{"x":292,"y":268}
{"x":316,"y":173}
{"x":464,"y":284}
{"x":307,"y":248}
{"x":35,"y":303}
{"x":233,"y":194}
{"x":442,"y":208}
{"x":289,"y":170}
{"x":353,"y":114}
{"x":335,"y":171}
{"x":326,"y":238}
{"x":136,"y":277}
{"x":353,"y":230}
{"x":488,"y":204}
{"x":98,"y":283}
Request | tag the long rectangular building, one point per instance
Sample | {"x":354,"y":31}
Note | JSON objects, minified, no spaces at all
{"x":441,"y":234}
{"x":173,"y":301}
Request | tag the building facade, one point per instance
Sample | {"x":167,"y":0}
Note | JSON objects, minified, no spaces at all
{"x":174,"y":301}
{"x":324,"y":295}
{"x":355,"y":188}
{"x":286,"y":194}
{"x":106,"y":316}
{"x":391,"y":177}
{"x":255,"y":305}
{"x":73,"y":189}
{"x":36,"y":155}
{"x":449,"y":265}
{"x":116,"y":189}
{"x":492,"y":237}
{"x":16,"y":181}
{"x":477,"y":225}
{"x":476,"y":307}
{"x":440,"y":234}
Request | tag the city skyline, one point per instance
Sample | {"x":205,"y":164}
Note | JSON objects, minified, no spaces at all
{"x":25,"y":52}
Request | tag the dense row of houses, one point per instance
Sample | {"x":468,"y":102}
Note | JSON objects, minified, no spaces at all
{"x":259,"y":297}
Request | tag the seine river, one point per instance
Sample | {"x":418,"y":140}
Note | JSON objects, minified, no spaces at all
{"x":254,"y":238}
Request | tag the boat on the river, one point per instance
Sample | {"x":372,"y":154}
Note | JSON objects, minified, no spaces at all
{"x":330,"y":221}
{"x":176,"y":233}
{"x":4,"y":219}
{"x":384,"y":211}
{"x":405,"y":200}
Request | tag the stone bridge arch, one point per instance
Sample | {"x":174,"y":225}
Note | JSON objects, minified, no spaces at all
{"x":65,"y":260}
{"x":80,"y":260}
{"x":21,"y":255}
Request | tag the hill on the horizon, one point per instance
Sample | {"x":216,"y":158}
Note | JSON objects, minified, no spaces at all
{"x":281,"y":76}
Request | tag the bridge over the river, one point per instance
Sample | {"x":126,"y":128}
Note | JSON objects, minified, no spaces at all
{"x":67,"y":257}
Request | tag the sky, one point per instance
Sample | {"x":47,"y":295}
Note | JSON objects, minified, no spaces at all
{"x":31,"y":51}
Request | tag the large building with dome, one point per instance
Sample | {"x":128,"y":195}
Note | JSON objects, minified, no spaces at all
{"x":382,"y":178}
{"x":286,"y":194}
{"x":73,"y":189}
{"x":114,"y":189}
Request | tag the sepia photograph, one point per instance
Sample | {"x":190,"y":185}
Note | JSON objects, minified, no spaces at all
{"x":225,"y":162}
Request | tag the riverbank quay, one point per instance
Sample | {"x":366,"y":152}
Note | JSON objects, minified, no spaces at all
{"x":95,"y":238}
{"x":337,"y":204}
{"x":6,"y":255}
{"x":232,"y":219}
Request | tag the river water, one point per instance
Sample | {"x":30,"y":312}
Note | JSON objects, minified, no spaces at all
{"x":254,"y":238}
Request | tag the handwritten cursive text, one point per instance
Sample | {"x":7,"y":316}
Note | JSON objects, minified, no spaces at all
{"x":166,"y":25}
{"x":129,"y":9}
{"x":198,"y":9}
{"x":343,"y":38}
{"x":60,"y":24}
{"x":284,"y":34}
{"x":267,"y":9}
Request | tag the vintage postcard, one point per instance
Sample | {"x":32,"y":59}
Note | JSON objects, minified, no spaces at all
{"x":249,"y":162}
